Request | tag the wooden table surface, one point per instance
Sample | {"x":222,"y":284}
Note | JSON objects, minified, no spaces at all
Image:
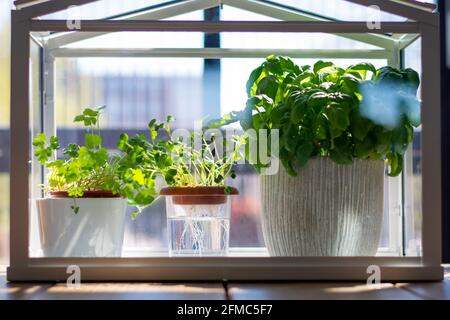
{"x":223,"y":291}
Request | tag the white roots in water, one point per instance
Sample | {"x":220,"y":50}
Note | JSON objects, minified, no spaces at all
{"x":205,"y":231}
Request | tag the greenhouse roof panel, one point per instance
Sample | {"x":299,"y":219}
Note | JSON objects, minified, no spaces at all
{"x":390,"y":9}
{"x":286,"y":10}
{"x":110,"y":9}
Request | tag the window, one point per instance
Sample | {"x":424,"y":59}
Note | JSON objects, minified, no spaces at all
{"x":136,"y":90}
{"x":192,"y":75}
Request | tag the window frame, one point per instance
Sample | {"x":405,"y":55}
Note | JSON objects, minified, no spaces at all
{"x":425,"y":267}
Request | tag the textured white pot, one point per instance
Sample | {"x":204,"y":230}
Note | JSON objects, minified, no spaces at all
{"x":97,"y":230}
{"x":327,"y":210}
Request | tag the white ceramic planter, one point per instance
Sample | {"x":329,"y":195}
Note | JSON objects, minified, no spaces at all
{"x":327,"y":210}
{"x":97,"y":230}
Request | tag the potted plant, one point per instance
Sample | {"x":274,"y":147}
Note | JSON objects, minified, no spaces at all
{"x":337,"y":127}
{"x":197,"y":199}
{"x":83,"y":214}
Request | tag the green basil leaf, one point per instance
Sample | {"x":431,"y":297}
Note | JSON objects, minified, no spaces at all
{"x":351,"y":83}
{"x":413,"y":80}
{"x":383,"y":143}
{"x":268,"y":86}
{"x":364,"y":148}
{"x":306,"y":75}
{"x":286,"y":161}
{"x":366,"y":66}
{"x":318,"y":100}
{"x":360,"y":126}
{"x":400,"y":139}
{"x":303,"y":153}
{"x":337,"y":116}
{"x":251,"y":82}
{"x":273,"y":65}
{"x":342,"y":151}
{"x":320,"y":127}
{"x":299,"y":110}
{"x":319,"y":65}
{"x":395,"y":161}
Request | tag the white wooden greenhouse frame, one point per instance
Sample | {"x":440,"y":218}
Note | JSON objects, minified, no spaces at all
{"x":422,"y":21}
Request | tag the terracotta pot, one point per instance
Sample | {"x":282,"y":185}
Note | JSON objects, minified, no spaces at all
{"x":86,"y":194}
{"x":198,"y":195}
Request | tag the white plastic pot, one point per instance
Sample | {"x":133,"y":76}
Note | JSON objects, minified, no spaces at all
{"x":97,"y":230}
{"x":326,"y":210}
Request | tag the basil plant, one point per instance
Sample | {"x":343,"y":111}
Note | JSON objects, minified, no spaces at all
{"x":327,"y":111}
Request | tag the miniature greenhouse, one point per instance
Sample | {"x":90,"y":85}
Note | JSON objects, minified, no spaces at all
{"x":207,"y":59}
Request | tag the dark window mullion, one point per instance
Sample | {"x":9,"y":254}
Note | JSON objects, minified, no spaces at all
{"x":211,"y":70}
{"x":445,"y":125}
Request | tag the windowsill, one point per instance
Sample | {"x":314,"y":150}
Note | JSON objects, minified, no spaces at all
{"x":143,"y":252}
{"x":233,"y":252}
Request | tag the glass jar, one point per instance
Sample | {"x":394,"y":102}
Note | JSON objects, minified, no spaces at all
{"x":198,"y":220}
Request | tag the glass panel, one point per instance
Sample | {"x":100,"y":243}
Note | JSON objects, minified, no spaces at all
{"x":228,"y":13}
{"x":234,"y":74}
{"x":229,"y":40}
{"x":142,"y":40}
{"x":281,"y":40}
{"x":148,"y":87}
{"x":336,"y":9}
{"x":104,"y":9}
{"x":413,"y":172}
{"x":136,"y":90}
{"x":147,"y":39}
{"x":290,"y":41}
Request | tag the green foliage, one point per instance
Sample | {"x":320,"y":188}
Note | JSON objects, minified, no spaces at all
{"x":146,"y":164}
{"x":136,"y":172}
{"x":319,"y":111}
{"x":83,"y":168}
